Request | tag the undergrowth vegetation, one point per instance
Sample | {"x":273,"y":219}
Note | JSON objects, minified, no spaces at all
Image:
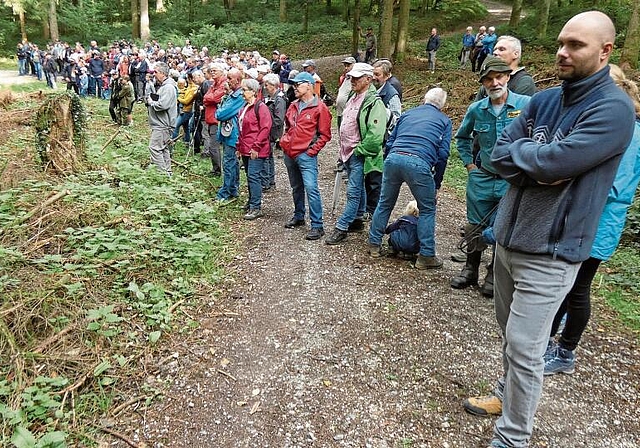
{"x":96,"y":268}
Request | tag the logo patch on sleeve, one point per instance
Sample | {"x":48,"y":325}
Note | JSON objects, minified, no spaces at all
{"x":513,"y":113}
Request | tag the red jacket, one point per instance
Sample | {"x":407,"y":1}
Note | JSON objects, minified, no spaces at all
{"x":212,"y":98}
{"x":307,"y":131}
{"x":254,"y":135}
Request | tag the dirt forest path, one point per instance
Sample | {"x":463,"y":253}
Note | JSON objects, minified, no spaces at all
{"x":311,"y":345}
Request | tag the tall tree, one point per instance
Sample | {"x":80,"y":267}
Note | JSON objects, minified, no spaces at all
{"x":283,"y":11}
{"x":355,"y":35}
{"x":403,"y":30}
{"x":160,"y":6}
{"x":305,"y":17}
{"x":135,"y":19}
{"x":516,"y":11}
{"x":53,"y":21}
{"x":543,"y":17}
{"x":145,"y":31}
{"x":631,"y":49}
{"x":17,"y":7}
{"x":386,"y":27}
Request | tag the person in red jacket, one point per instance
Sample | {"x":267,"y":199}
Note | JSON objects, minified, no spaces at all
{"x":211,"y":102}
{"x":253,"y":144}
{"x":308,"y":130}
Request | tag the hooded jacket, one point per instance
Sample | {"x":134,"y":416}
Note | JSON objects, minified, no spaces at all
{"x":164,"y":111}
{"x":560,"y":157}
{"x":228,"y":111}
{"x":255,"y":130}
{"x":372,"y":124}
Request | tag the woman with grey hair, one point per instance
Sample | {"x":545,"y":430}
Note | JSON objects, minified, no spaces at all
{"x":254,"y":121}
{"x":277,"y":103}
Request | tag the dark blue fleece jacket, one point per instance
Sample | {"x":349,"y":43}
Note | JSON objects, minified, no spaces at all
{"x":574,"y":136}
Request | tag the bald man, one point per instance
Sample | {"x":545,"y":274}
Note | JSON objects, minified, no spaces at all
{"x":559,"y":156}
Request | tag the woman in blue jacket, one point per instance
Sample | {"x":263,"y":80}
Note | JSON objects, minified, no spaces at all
{"x":559,"y":357}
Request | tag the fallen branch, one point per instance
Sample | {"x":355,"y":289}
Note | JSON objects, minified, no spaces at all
{"x":227,"y":374}
{"x":44,"y":344}
{"x":126,"y":404}
{"x":121,"y":436}
{"x":173,"y":307}
{"x":37,"y":208}
{"x":110,"y":140}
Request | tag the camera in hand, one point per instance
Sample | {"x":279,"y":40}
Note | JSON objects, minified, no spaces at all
{"x":154,"y":96}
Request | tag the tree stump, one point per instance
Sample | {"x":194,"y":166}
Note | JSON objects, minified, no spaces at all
{"x":60,"y":124}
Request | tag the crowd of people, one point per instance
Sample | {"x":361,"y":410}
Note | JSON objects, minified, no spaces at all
{"x":547,"y":194}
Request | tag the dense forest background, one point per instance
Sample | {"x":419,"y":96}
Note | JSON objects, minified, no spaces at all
{"x":301,"y":27}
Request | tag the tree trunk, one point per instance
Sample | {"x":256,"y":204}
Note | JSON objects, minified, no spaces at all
{"x":283,"y":11}
{"x":160,"y":7}
{"x":424,"y":7}
{"x":145,"y":32}
{"x":403,"y":30}
{"x":346,"y":10}
{"x":355,"y":36}
{"x":543,"y":17}
{"x":305,"y":18}
{"x":631,"y":49}
{"x":23,"y":24}
{"x":516,"y":10}
{"x":135,"y":19}
{"x":227,"y":8}
{"x":328,"y":7}
{"x":386,"y":28}
{"x":53,"y":21}
{"x":46,"y":32}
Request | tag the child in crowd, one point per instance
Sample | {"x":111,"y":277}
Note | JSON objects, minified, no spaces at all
{"x":84,"y":82}
{"x":403,"y":233}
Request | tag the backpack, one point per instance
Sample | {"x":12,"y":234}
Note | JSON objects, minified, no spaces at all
{"x":226,"y":127}
{"x":325,"y":97}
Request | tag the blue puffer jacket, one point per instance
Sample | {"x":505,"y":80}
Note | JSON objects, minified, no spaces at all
{"x":228,"y":111}
{"x":619,"y":200}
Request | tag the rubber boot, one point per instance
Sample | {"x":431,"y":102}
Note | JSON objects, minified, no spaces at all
{"x":487,"y":287}
{"x":469,"y":274}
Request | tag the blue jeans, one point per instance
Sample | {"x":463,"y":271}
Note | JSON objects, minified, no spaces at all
{"x":38,"y":68}
{"x":303,"y":177}
{"x":356,"y":194}
{"x":231,"y":178}
{"x":22,"y":67}
{"x":183,"y":121}
{"x":269,"y":170}
{"x":398,"y":169}
{"x":253,"y":168}
{"x":528,"y":291}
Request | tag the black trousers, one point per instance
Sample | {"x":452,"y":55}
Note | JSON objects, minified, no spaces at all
{"x":372,"y":185}
{"x":577,"y":305}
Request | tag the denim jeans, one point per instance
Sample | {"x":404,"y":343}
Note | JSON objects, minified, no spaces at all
{"x":528,"y":290}
{"x":416,"y":173}
{"x":231,"y":178}
{"x":303,"y":177}
{"x":356,"y":195}
{"x":269,"y":170}
{"x":38,"y":70}
{"x":22,"y":67}
{"x":183,"y":121}
{"x":253,"y":168}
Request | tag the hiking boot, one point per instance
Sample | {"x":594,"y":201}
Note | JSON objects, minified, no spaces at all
{"x":223,"y":202}
{"x":486,"y":405}
{"x":487,"y":287}
{"x":315,"y":234}
{"x":459,"y":257}
{"x":375,"y":250}
{"x":254,"y":214}
{"x":367,"y":216}
{"x":337,"y":237}
{"x":294,"y":222}
{"x":469,"y":274}
{"x":564,"y":361}
{"x":356,"y":226}
{"x":428,"y":262}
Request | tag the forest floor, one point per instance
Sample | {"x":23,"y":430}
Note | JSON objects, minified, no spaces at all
{"x":306,"y":344}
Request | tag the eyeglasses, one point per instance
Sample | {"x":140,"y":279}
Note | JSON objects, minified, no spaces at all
{"x":298,"y":84}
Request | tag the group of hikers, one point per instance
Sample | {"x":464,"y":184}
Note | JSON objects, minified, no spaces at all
{"x":551,"y":174}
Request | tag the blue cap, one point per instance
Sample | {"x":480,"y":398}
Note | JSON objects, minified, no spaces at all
{"x":303,"y":77}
